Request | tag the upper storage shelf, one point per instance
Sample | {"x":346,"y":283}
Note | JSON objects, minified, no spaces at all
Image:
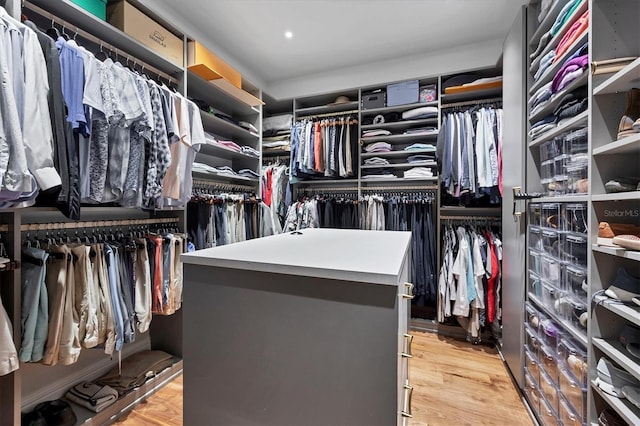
{"x":76,"y":17}
{"x":199,"y":88}
{"x":622,"y":81}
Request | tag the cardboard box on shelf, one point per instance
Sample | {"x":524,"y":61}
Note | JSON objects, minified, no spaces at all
{"x":127,"y":18}
{"x":209,"y":66}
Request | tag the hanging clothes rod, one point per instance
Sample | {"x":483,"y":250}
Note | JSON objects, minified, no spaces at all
{"x":96,"y":224}
{"x":471,"y":103}
{"x":329,"y":114}
{"x":96,"y":40}
{"x":429,"y":188}
{"x":475,"y":218}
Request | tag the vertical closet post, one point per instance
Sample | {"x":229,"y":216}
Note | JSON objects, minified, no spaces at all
{"x":10,"y":388}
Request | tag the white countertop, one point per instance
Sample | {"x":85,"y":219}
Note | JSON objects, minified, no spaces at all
{"x":342,"y":254}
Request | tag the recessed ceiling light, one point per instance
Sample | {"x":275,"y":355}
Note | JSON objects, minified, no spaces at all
{"x":288,"y":34}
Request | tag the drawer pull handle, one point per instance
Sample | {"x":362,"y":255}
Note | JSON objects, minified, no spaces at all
{"x":409,"y":293}
{"x":408,"y":393}
{"x":406,"y":349}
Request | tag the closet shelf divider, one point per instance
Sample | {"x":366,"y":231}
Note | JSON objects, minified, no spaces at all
{"x":617,"y":251}
{"x":617,"y":353}
{"x":628,"y":145}
{"x":617,"y":196}
{"x":628,"y":312}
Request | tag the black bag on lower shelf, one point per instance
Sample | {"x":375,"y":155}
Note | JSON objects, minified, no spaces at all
{"x":50,"y":413}
{"x":135,"y":370}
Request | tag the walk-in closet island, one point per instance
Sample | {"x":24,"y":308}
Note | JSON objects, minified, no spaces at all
{"x":308,"y":327}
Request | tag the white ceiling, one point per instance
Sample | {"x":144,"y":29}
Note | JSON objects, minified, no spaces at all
{"x":335,"y":34}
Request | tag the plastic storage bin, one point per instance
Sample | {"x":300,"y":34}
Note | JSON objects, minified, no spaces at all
{"x":575,"y":218}
{"x":551,"y":269}
{"x":546,"y":170}
{"x":534,"y":285}
{"x":95,"y":7}
{"x":575,"y":249}
{"x":549,"y":333}
{"x":533,"y":317}
{"x":575,"y":282}
{"x":531,"y":365}
{"x":572,"y":358}
{"x":561,"y":175}
{"x":535,"y":237}
{"x":551,"y":216}
{"x":531,"y":340}
{"x":551,"y":242}
{"x":577,"y":174}
{"x":549,"y":390}
{"x":531,"y":391}
{"x":576,"y":313}
{"x":550,"y":295}
{"x":546,"y":414}
{"x":535,"y":214}
{"x":548,"y":362}
{"x":568,"y":417}
{"x":574,"y":392}
{"x":535,"y":263}
{"x":548,"y":151}
{"x":428,"y":93}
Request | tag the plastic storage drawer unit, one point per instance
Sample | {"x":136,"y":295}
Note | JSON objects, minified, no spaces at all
{"x":574,"y":392}
{"x":548,"y":362}
{"x":546,"y":414}
{"x":551,"y":216}
{"x":575,"y":249}
{"x":551,"y":296}
{"x":549,"y":333}
{"x":551,"y":269}
{"x":575,"y":282}
{"x":531,"y":341}
{"x":575,"y":218}
{"x":551,"y":242}
{"x":534,"y":285}
{"x":531,"y":365}
{"x":535,"y":214}
{"x":535,"y":237}
{"x":533,"y":317}
{"x":573,"y":359}
{"x":568,"y":417}
{"x":535,"y":264}
{"x":549,"y":390}
{"x":531,"y":391}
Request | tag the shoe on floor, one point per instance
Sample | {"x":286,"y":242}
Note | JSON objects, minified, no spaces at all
{"x":612,"y":379}
{"x":630,"y":339}
{"x":625,"y":287}
{"x":608,"y":417}
{"x":608,"y":230}
{"x":632,"y":394}
{"x":621,"y":184}
{"x":630,"y":242}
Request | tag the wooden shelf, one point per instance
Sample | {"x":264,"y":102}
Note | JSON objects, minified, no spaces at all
{"x":398,"y":139}
{"x":396,"y":108}
{"x":402,"y":153}
{"x":623,"y":407}
{"x":401,"y":124}
{"x":217,"y":97}
{"x":579,"y":335}
{"x":615,"y":352}
{"x":225,"y":129}
{"x":326,"y":109}
{"x":80,"y":18}
{"x":622,"y":81}
{"x":578,"y":121}
{"x":551,"y":71}
{"x":555,"y":101}
{"x":628,"y":312}
{"x":617,"y":251}
{"x":471,"y":95}
{"x":617,"y":196}
{"x":628,"y":145}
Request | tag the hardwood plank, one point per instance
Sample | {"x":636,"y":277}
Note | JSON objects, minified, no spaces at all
{"x":454,"y":383}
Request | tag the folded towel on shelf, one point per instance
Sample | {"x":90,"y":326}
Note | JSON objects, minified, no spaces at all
{"x":422,"y":131}
{"x":420,"y":112}
{"x":378,"y":147}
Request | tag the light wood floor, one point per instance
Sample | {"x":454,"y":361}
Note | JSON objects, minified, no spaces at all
{"x":455,"y":383}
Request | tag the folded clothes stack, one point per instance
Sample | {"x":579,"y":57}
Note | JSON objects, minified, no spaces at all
{"x":420,"y":113}
{"x":378,"y":147}
{"x":231,"y":145}
{"x":418,"y":173}
{"x":276,"y":133}
{"x":375,"y":132}
{"x":248,"y":173}
{"x":542,"y":126}
{"x":420,"y":147}
{"x":421,"y":159}
{"x":376,"y":161}
{"x":247,"y":150}
{"x":422,"y":131}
